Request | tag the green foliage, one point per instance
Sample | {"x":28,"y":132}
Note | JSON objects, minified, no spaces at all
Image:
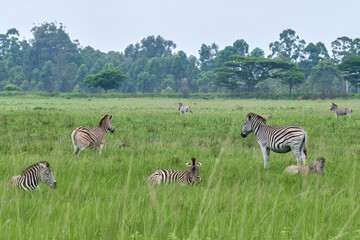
{"x":106,"y":79}
{"x":351,"y":69}
{"x":108,"y":197}
{"x":249,"y":71}
{"x":326,"y":78}
{"x":12,"y":87}
{"x":293,"y":77}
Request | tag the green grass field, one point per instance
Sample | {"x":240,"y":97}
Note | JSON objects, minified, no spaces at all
{"x":108,"y":197}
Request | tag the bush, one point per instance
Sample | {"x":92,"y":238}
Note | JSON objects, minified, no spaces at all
{"x":12,"y":87}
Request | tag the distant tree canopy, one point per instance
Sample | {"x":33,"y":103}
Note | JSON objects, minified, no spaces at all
{"x":247,"y":72}
{"x":51,"y":61}
{"x":351,"y":70}
{"x":106,"y":79}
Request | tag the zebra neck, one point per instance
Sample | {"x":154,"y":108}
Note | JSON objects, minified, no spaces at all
{"x":257,"y":128}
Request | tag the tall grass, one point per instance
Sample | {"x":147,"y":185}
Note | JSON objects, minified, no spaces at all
{"x":108,"y":197}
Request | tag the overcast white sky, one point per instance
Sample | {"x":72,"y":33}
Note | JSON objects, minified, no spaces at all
{"x":113,"y":25}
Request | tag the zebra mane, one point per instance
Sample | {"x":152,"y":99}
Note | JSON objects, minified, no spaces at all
{"x":334,"y":104}
{"x":36,"y":164}
{"x":256,"y":116}
{"x":102,"y":121}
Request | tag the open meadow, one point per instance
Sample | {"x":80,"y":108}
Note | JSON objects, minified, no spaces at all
{"x":108,"y":197}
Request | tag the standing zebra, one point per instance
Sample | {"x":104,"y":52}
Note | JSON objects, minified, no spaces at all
{"x":83,"y":138}
{"x":318,"y":166}
{"x":33,"y":175}
{"x":184,"y":109}
{"x":340,"y":111}
{"x":277,"y":139}
{"x":183,"y":176}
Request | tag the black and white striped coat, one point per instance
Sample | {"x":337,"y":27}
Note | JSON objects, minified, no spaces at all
{"x":340,"y":111}
{"x":181,"y":176}
{"x":32,"y":176}
{"x":277,"y":139}
{"x":83,"y":138}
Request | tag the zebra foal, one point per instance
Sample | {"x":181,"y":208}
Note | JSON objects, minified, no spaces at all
{"x":318,"y":166}
{"x":184,"y":109}
{"x":83,"y":138}
{"x":277,"y":139}
{"x":33,"y":175}
{"x":340,"y":111}
{"x":182,"y":176}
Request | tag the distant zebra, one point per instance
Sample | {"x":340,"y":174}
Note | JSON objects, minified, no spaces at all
{"x":33,"y":175}
{"x":83,"y":138}
{"x":182,"y":176}
{"x":340,"y":111}
{"x":277,"y":139}
{"x":184,"y":109}
{"x":318,"y":166}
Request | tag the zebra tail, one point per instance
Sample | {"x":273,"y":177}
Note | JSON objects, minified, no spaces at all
{"x":304,"y":144}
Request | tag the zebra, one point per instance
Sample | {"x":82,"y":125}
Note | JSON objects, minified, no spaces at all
{"x":83,"y":138}
{"x":340,"y":111}
{"x":182,"y":176}
{"x":184,"y":109}
{"x":277,"y":139}
{"x":318,"y":166}
{"x":33,"y":175}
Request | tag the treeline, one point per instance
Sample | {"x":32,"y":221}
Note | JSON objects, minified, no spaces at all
{"x":52,"y":62}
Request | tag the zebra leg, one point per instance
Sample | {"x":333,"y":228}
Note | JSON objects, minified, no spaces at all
{"x":95,"y":148}
{"x":100,"y":149}
{"x":266,"y":156}
{"x":349,"y":115}
{"x":336,"y":116}
{"x":298,"y":157}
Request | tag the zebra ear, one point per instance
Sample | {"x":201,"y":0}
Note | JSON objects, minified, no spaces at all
{"x":249,"y":117}
{"x":199,"y":164}
{"x":110,"y":116}
{"x":188,"y":164}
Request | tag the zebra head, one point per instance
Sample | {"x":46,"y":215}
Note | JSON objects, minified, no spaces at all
{"x":46,"y":174}
{"x":194,"y":171}
{"x":333,"y":106}
{"x":318,"y":166}
{"x":106,"y":122}
{"x":180,"y":105}
{"x":252,"y":119}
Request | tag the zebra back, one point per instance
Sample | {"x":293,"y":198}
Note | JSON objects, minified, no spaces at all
{"x":180,"y":176}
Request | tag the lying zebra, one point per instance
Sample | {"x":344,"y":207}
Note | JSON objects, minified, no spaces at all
{"x":318,"y":166}
{"x":277,"y":139}
{"x":33,"y":175}
{"x":83,"y":138}
{"x":340,"y":111}
{"x":184,"y":109}
{"x":182,"y":176}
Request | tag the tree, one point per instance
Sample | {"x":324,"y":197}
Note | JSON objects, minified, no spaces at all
{"x":249,"y":71}
{"x":325,"y":78}
{"x":106,"y":79}
{"x":290,"y":46}
{"x":292,"y":77}
{"x":344,"y":47}
{"x":351,"y":70}
{"x":257,"y":52}
{"x":207,"y":56}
